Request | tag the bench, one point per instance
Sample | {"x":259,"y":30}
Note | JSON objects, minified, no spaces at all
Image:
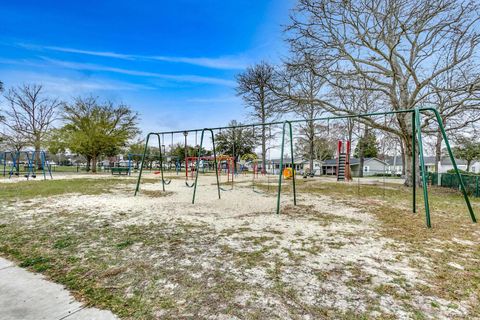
{"x":119,"y":170}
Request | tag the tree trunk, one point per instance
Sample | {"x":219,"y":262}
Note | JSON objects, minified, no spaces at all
{"x":407,"y":164}
{"x":264,"y":148}
{"x":468,"y":165}
{"x":311,"y":152}
{"x":37,"y":145}
{"x":311,"y":144}
{"x":89,"y":160}
{"x":361,"y":152}
{"x":94,"y":164}
{"x":402,"y":156}
{"x":407,"y":160}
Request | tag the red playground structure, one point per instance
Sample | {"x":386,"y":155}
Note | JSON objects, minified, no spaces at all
{"x":343,"y":161}
{"x":256,"y":170}
{"x":224,"y":164}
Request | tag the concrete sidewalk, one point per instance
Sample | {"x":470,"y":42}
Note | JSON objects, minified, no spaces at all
{"x":25,"y":295}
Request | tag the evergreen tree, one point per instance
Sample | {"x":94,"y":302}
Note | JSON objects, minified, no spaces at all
{"x":367,"y":146}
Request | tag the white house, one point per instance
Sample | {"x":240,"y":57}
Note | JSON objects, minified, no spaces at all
{"x":395,"y":166}
{"x":371,"y":167}
{"x":475,"y":167}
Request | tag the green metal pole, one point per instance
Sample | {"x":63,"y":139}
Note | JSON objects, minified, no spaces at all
{"x":161,"y":161}
{"x":199,"y":154}
{"x":476,"y":186}
{"x":422,"y":168}
{"x":281,"y":166}
{"x":143,"y":161}
{"x":43,"y":160}
{"x":414,"y":165}
{"x":215,"y":163}
{"x":279,"y":191}
{"x":450,"y":153}
{"x":293,"y":164}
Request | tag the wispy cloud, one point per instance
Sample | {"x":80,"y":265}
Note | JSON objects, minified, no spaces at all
{"x":225,"y":62}
{"x":189,"y":78}
{"x":69,"y":84}
{"x":229,"y":62}
{"x":91,"y":53}
{"x":215,"y":100}
{"x":178,"y":78}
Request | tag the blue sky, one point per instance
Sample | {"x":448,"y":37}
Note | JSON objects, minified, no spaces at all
{"x":173,"y":61}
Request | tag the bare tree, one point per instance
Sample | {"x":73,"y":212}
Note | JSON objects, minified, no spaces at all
{"x":458,"y":102}
{"x":255,"y":88}
{"x":398,"y":47}
{"x":297,"y":81}
{"x":30,"y":114}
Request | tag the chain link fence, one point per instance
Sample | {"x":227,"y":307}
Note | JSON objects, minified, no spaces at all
{"x":451,"y":180}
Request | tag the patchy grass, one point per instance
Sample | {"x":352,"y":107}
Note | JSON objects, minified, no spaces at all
{"x":156,"y":193}
{"x":175,"y":268}
{"x":453,"y":237}
{"x":45,"y":188}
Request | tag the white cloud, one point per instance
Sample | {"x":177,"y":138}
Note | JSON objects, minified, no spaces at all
{"x":70,"y":85}
{"x":229,"y":62}
{"x":225,"y":62}
{"x":189,"y":78}
{"x":213,"y":100}
{"x":179,"y":78}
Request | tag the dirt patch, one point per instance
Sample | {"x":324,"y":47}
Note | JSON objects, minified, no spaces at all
{"x":157,"y":255}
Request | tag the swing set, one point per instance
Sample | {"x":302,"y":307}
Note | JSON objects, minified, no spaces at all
{"x":416,"y":136}
{"x":14,"y":158}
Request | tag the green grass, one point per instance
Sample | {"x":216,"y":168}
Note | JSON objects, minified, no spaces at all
{"x":127,"y":268}
{"x":24,"y":190}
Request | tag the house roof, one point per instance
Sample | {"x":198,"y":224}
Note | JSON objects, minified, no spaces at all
{"x":445,"y":161}
{"x":353,"y":161}
{"x":285,"y":160}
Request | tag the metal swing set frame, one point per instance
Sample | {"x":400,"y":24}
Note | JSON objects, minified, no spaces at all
{"x":30,"y":156}
{"x":287,"y":124}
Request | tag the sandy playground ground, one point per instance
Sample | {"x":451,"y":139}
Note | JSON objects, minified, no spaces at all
{"x":234,"y":258}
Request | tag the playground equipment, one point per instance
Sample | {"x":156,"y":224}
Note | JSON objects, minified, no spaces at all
{"x":29,"y":161}
{"x":224,"y":164}
{"x":416,"y":137}
{"x":185,"y":134}
{"x":343,"y":161}
{"x":288,"y":173}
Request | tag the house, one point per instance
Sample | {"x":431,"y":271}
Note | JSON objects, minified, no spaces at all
{"x":371,"y":167}
{"x":273,"y":165}
{"x":329,"y":167}
{"x":395,"y":166}
{"x":475,"y":167}
{"x":317,"y":166}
